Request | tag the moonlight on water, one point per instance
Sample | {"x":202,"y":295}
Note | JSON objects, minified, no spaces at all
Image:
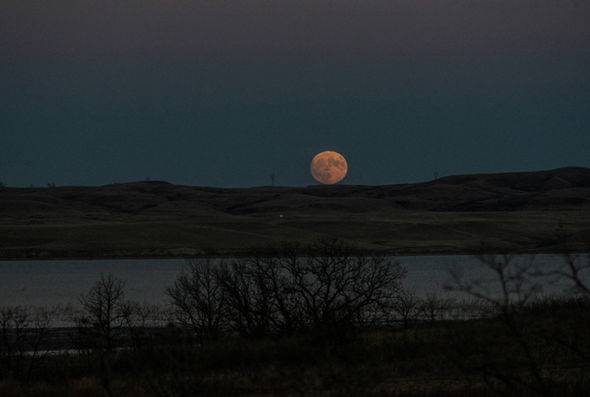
{"x":329,"y":167}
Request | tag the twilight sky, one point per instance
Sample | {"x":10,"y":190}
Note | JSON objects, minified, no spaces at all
{"x":225,"y":93}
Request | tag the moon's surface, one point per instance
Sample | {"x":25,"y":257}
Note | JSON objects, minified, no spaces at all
{"x":329,"y":167}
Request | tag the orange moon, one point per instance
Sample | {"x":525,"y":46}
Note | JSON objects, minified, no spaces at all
{"x":329,"y":167}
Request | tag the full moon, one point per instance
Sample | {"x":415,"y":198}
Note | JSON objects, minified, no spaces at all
{"x":329,"y":167}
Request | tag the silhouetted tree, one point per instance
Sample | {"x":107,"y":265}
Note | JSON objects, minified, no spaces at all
{"x":199,"y":298}
{"x":295,"y":288}
{"x":22,"y":332}
{"x":509,"y":289}
{"x":407,"y":307}
{"x":103,"y":316}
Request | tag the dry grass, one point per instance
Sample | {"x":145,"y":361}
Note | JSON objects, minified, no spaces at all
{"x":528,"y":212}
{"x":401,"y":232}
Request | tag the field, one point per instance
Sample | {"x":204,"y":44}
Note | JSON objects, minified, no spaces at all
{"x":545,"y":211}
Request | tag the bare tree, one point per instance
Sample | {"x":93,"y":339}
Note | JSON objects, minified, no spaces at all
{"x":199,"y":298}
{"x":318,"y":287}
{"x":41,"y":319}
{"x":290,"y":289}
{"x":139,"y":320}
{"x":260,"y":295}
{"x":249,"y":300}
{"x":509,"y":289}
{"x":22,"y":333}
{"x":104,"y":310}
{"x":407,"y":307}
{"x":434,"y":308}
{"x":574,"y":269}
{"x":14,"y":322}
{"x":103,"y":316}
{"x":339,"y":287}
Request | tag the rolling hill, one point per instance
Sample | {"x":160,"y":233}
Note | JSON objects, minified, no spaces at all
{"x":519,"y":212}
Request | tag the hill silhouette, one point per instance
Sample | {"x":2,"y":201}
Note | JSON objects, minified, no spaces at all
{"x":510,"y":211}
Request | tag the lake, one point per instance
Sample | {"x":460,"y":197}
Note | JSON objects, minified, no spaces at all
{"x":47,"y":283}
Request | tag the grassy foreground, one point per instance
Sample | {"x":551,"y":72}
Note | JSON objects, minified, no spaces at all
{"x":428,"y":358}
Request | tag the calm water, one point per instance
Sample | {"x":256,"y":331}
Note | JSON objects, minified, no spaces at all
{"x":44,"y":283}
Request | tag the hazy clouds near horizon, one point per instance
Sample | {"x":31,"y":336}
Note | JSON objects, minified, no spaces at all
{"x":228,"y":92}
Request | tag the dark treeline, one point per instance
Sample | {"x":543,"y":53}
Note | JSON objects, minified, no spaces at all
{"x":319,"y":319}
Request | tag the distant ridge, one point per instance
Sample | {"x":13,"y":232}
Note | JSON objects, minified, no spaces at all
{"x":560,"y":178}
{"x":563,"y":188}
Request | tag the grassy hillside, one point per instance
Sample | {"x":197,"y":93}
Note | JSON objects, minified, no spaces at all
{"x":520,"y":212}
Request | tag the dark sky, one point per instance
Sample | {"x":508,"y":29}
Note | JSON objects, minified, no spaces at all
{"x":225,"y":93}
